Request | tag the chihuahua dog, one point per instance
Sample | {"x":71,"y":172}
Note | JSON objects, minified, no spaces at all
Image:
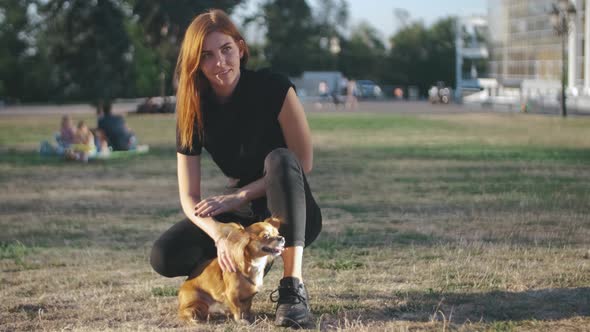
{"x":251,"y":248}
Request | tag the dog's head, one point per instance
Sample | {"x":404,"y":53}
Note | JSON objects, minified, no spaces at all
{"x":257,"y":240}
{"x":265,"y":238}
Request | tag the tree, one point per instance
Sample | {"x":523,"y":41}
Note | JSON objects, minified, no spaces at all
{"x":363,"y":54}
{"x":422,"y":56}
{"x":90,"y":48}
{"x":408,"y":56}
{"x":442,"y":51}
{"x":23,"y":68}
{"x":331,"y":17}
{"x":145,"y":66}
{"x":13,"y":19}
{"x":402,"y":17}
{"x":290,"y":35}
{"x":331,"y":20}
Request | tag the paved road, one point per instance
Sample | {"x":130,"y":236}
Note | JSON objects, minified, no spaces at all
{"x":402,"y":107}
{"x":122,"y":107}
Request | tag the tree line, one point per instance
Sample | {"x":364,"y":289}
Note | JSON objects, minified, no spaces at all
{"x":98,"y":50}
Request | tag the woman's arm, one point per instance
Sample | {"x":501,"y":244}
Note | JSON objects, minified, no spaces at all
{"x":189,"y":188}
{"x":296,"y":130}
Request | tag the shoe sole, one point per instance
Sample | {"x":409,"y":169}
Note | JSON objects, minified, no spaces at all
{"x":309,"y":324}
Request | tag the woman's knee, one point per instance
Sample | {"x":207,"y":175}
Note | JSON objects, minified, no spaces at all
{"x":158,"y":260}
{"x":280,"y":160}
{"x":311,"y":233}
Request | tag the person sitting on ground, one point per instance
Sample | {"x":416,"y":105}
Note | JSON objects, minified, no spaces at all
{"x":119,"y":136}
{"x":83,"y":146}
{"x":66,"y":132}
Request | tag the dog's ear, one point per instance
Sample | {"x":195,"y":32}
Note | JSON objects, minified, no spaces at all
{"x":237,"y":240}
{"x":274,"y":221}
{"x":228,"y":228}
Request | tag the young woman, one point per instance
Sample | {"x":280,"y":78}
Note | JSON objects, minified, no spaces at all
{"x":254,"y":127}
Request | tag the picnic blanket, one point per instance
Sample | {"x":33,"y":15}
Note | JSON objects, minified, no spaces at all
{"x":58,"y":149}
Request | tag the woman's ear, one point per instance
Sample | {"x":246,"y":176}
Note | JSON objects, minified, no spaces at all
{"x":241,"y":47}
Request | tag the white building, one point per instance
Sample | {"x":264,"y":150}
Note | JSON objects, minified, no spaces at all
{"x":524,"y":46}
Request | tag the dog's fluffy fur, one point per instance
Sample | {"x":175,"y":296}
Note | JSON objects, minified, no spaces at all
{"x":251,"y":249}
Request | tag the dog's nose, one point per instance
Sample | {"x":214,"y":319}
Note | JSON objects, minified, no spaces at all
{"x":281,"y":240}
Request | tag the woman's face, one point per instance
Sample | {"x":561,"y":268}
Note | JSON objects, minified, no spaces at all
{"x":220,"y":61}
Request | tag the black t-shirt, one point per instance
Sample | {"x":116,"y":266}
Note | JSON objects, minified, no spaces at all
{"x":240,"y":133}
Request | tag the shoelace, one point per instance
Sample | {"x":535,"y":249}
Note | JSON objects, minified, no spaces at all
{"x":292,"y":296}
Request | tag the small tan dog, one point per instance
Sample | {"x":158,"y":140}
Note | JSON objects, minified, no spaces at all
{"x":251,"y":249}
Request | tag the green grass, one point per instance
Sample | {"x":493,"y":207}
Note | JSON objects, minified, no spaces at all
{"x":15,"y":251}
{"x":464,"y":222}
{"x":165,"y":291}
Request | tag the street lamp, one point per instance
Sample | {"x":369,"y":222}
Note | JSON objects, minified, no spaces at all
{"x":561,"y":16}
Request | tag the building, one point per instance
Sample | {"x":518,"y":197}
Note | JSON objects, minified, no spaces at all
{"x":524,"y":46}
{"x":471,"y":51}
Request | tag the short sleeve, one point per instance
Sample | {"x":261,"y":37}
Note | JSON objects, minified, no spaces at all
{"x":194,"y":150}
{"x":278,"y":86}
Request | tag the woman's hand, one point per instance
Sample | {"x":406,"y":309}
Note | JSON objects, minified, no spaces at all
{"x":223,"y":257}
{"x":215,"y":205}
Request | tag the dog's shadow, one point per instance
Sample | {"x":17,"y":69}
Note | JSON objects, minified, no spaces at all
{"x":551,"y":304}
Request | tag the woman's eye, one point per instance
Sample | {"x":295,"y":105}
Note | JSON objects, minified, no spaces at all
{"x":226,"y":49}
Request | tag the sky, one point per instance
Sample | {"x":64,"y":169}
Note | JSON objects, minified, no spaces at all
{"x":380,"y":13}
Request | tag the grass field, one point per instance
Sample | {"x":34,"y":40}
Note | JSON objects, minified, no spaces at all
{"x":467,"y":222}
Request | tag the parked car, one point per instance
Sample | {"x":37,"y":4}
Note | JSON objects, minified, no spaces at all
{"x":157,"y":105}
{"x":367,"y":89}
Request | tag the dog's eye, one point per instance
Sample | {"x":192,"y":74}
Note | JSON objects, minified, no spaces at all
{"x":266,"y":236}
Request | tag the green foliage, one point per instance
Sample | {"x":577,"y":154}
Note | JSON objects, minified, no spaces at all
{"x":14,"y":251}
{"x":92,"y":51}
{"x":23,"y":69}
{"x":145,"y":63}
{"x":99,"y":50}
{"x":422,"y":56}
{"x":363,"y":55}
{"x":164,"y":291}
{"x":290,"y":35}
{"x":14,"y":22}
{"x":90,"y":48}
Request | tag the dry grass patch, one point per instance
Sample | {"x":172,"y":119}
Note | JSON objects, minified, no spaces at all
{"x":466,"y":222}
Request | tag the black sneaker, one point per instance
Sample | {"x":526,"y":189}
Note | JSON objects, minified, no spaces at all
{"x":292,"y":304}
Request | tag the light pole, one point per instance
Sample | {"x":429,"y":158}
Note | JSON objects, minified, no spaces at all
{"x":561,"y":15}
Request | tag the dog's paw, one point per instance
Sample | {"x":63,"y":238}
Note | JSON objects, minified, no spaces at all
{"x":191,"y":322}
{"x":244,"y":320}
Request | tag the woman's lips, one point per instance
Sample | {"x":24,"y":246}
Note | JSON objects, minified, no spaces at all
{"x":223,"y":73}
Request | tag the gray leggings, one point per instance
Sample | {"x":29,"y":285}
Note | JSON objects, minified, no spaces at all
{"x":288,"y":196}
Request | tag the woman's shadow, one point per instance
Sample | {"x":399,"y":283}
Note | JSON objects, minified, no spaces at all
{"x":550,"y":304}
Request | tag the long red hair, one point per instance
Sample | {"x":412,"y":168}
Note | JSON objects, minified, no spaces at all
{"x":191,"y":82}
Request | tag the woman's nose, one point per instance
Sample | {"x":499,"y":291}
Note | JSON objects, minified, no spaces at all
{"x":220,"y":61}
